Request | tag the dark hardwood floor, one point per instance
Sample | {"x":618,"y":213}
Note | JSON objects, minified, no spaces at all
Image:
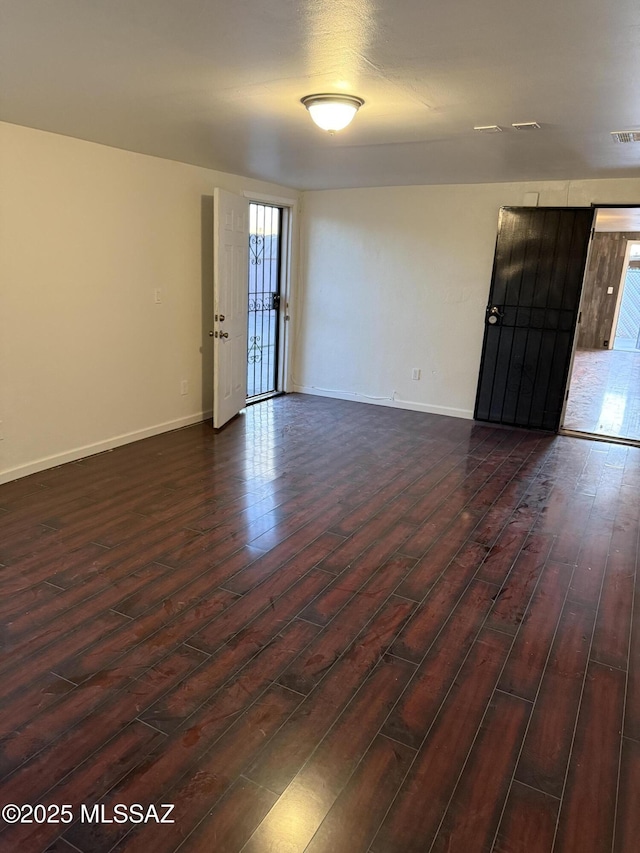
{"x":331,"y":628}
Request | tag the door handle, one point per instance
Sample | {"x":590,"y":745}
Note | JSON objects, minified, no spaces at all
{"x":494,"y":315}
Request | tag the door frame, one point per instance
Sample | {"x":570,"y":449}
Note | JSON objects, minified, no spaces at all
{"x":576,"y":331}
{"x":574,"y":345}
{"x":288,"y":281}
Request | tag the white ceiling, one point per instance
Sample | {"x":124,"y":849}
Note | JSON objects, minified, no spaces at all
{"x":218,"y":84}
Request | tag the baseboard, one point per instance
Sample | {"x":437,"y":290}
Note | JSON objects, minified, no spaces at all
{"x":99,"y":447}
{"x":394,"y":403}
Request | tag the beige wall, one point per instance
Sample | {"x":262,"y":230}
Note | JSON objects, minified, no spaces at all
{"x":398,"y":278}
{"x":87,"y":234}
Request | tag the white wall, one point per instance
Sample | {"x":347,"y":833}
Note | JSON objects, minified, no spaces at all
{"x":87,"y":233}
{"x":398,"y":277}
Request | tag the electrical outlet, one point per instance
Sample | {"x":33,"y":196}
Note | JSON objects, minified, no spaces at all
{"x":184,"y":386}
{"x":415,"y":373}
{"x":157,"y":295}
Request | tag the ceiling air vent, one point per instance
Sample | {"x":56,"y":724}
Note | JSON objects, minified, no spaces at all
{"x":626,"y":135}
{"x":526,"y":125}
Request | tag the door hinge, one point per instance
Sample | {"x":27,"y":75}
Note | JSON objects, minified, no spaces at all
{"x":580,"y":318}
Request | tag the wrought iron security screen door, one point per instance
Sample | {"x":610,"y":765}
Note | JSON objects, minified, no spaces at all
{"x":265,"y":232}
{"x":531,"y":316}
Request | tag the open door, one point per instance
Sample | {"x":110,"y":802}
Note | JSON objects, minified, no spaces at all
{"x":230,"y":271}
{"x":539,"y":264}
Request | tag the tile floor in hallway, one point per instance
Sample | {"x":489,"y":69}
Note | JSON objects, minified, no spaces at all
{"x":331,"y":628}
{"x":604,"y":395}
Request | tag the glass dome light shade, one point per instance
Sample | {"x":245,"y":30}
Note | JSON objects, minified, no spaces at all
{"x":332,"y":112}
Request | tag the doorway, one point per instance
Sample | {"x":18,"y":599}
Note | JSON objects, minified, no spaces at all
{"x":264,"y":301}
{"x":603,"y":395}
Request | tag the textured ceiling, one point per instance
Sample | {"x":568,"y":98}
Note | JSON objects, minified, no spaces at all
{"x":219,"y":84}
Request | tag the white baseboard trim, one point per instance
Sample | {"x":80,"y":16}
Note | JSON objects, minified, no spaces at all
{"x":99,"y":447}
{"x":394,"y":403}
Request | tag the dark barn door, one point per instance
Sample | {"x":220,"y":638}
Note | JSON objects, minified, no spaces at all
{"x":531,"y":316}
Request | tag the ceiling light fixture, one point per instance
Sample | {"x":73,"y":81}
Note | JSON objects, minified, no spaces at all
{"x":332,"y":112}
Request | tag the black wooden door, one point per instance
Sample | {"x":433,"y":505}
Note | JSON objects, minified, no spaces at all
{"x":539,"y":264}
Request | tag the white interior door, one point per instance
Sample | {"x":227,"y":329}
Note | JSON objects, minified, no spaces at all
{"x":230,"y":271}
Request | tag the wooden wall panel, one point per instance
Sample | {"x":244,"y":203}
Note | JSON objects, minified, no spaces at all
{"x":604,"y":270}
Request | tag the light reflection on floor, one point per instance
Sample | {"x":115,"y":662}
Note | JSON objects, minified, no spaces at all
{"x":260,"y":446}
{"x":262,"y":511}
{"x":612,"y":412}
{"x":604,"y":394}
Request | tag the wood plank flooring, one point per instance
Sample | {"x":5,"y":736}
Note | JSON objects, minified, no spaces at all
{"x":330,"y":628}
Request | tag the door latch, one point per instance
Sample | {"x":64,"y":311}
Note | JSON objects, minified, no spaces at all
{"x":494,"y":315}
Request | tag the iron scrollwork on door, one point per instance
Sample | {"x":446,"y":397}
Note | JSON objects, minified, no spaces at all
{"x":264,"y":302}
{"x":255,"y":350}
{"x":256,"y":249}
